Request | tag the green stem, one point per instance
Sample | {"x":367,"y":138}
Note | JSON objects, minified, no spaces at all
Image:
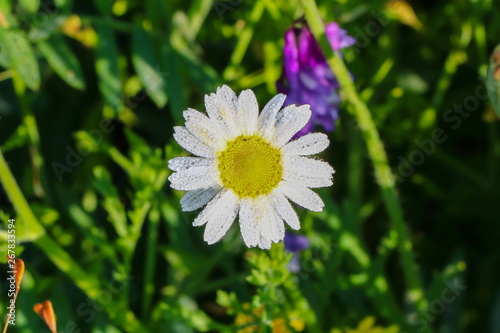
{"x":149,"y":267}
{"x":5,"y":75}
{"x":464,"y":170}
{"x":198,"y":13}
{"x":355,"y":166}
{"x":302,"y":304}
{"x":29,"y":121}
{"x":244,"y":41}
{"x":376,"y":151}
{"x":16,"y":197}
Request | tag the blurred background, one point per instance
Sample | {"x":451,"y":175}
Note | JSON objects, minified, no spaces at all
{"x":90,"y":92}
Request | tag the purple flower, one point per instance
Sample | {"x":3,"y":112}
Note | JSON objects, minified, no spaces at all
{"x":307,"y":77}
{"x":294,"y":244}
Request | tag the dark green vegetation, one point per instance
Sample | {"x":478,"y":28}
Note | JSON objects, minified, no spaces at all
{"x":87,"y":106}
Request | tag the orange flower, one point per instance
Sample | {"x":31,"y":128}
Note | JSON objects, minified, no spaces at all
{"x":46,"y":312}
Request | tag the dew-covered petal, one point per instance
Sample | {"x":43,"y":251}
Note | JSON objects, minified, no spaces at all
{"x":307,"y":172}
{"x":248,"y":226}
{"x":302,"y":196}
{"x":221,"y":219}
{"x":308,"y":144}
{"x":204,"y":129}
{"x":267,"y":118}
{"x":229,"y":96}
{"x":195,"y":199}
{"x":224,"y":114}
{"x":248,"y":112}
{"x":278,"y":225}
{"x":270,"y":224}
{"x":193,"y":178}
{"x":285,"y":210}
{"x":264,"y":243}
{"x":182,"y":163}
{"x":215,"y":204}
{"x":288,"y":122}
{"x":191,"y":143}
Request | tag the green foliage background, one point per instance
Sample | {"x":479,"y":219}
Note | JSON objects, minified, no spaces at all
{"x":87,"y":106}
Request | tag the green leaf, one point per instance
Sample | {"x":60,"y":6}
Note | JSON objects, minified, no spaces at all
{"x":30,"y":5}
{"x":64,"y":5}
{"x":176,"y":88}
{"x":20,"y":56}
{"x":62,"y":60}
{"x":147,"y":65}
{"x":116,"y":212}
{"x":493,"y":79}
{"x":108,"y":70}
{"x":227,"y":300}
{"x":202,"y":74}
{"x":156,"y":10}
{"x":17,"y":139}
{"x":4,"y":59}
{"x":104,"y":6}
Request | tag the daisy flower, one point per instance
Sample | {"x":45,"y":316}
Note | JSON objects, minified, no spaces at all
{"x":246,"y":167}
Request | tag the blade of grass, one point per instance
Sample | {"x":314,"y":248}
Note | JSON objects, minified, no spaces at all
{"x":198,"y":12}
{"x":29,"y":120}
{"x":149,"y":267}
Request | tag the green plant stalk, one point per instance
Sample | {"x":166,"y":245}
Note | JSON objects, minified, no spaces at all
{"x":149,"y":267}
{"x":244,"y":41}
{"x":32,"y":128}
{"x":464,"y":170}
{"x":58,"y":255}
{"x":355,"y":162}
{"x":376,"y":151}
{"x":198,"y":13}
{"x":301,"y":303}
{"x":5,"y":75}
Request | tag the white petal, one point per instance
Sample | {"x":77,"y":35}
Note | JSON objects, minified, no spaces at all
{"x":264,"y":243}
{"x":270,"y":224}
{"x":279,"y":226}
{"x":229,"y":96}
{"x":193,"y":178}
{"x":191,"y":143}
{"x":302,"y":196}
{"x":267,"y":118}
{"x":182,"y":163}
{"x":248,"y":226}
{"x":220,"y":111}
{"x":212,"y":207}
{"x":289,"y":121}
{"x":286,"y":211}
{"x":204,"y":129}
{"x":308,"y":144}
{"x":248,"y":112}
{"x":307,"y":172}
{"x":195,"y":199}
{"x":221,"y":219}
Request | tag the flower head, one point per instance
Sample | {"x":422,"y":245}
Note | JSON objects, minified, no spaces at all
{"x":294,"y":244}
{"x":245,"y":166}
{"x":307,"y":77}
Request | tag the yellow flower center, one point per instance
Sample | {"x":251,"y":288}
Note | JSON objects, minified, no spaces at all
{"x":250,"y":166}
